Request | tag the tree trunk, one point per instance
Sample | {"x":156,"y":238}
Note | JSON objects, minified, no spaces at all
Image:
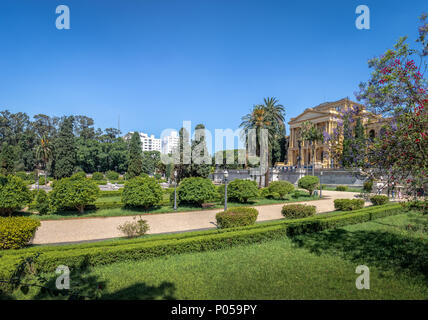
{"x":313,"y":160}
{"x":267,"y":171}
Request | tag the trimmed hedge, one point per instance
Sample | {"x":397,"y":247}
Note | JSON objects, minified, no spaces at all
{"x":107,"y":194}
{"x":379,"y":200}
{"x":348,"y":204}
{"x":309,"y":183}
{"x":195,"y":191}
{"x":242,"y":190}
{"x":102,"y":253}
{"x":236,"y":217}
{"x":280,"y":188}
{"x":15,"y":232}
{"x":295,"y":211}
{"x":341,"y":188}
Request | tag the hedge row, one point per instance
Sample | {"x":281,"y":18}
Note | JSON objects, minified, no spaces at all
{"x":137,"y":249}
{"x":107,"y":194}
{"x":236,"y":217}
{"x":16,"y":232}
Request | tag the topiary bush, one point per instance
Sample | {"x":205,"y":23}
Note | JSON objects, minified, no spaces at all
{"x":16,"y":232}
{"x":97,"y":176}
{"x":282,"y":188}
{"x":242,"y":190}
{"x":309,"y":183}
{"x":379,"y":200}
{"x":341,"y":188}
{"x":42,"y":202}
{"x":144,"y":192}
{"x":112,"y":175}
{"x":368,"y":186}
{"x":236,"y":217}
{"x":14,"y":194}
{"x":295,"y":211}
{"x":78,"y":175}
{"x":73,"y":193}
{"x":348,"y":204}
{"x":196,"y":191}
{"x":22,"y":175}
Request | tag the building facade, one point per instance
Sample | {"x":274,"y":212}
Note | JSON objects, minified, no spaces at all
{"x":170,"y":142}
{"x":148,"y":143}
{"x":325,"y":117}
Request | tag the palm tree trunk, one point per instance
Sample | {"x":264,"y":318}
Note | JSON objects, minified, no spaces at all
{"x":313,"y":159}
{"x":267,"y":170}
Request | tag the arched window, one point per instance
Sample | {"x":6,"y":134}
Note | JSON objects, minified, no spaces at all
{"x":372,"y":135}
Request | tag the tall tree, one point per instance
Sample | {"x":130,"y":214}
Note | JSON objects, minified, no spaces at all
{"x":64,"y":150}
{"x":44,"y":151}
{"x":135,"y":162}
{"x":201,"y":159}
{"x":150,"y":161}
{"x":7,"y":159}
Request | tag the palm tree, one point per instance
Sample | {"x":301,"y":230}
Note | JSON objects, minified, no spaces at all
{"x":311,"y":134}
{"x":44,"y":152}
{"x":269,"y":116}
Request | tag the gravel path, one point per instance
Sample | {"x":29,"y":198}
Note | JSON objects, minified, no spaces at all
{"x":74,"y":230}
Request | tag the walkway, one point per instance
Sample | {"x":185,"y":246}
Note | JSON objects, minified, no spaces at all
{"x":73,"y":230}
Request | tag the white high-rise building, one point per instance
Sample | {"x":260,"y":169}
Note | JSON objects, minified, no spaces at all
{"x":148,"y":143}
{"x":169,"y":143}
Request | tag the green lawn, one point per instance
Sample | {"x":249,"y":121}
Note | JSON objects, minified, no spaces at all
{"x":350,"y":189}
{"x":304,"y":196}
{"x":312,"y":266}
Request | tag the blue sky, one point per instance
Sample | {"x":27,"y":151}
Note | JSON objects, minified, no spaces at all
{"x":157,"y":62}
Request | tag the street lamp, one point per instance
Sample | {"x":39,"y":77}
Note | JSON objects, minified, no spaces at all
{"x":225,"y":174}
{"x":320,"y":185}
{"x":175,"y":189}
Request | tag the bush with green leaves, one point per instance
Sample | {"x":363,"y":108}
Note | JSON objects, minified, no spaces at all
{"x":295,"y":211}
{"x":348,"y":204}
{"x":22,"y":175}
{"x":78,"y":175}
{"x":14,"y":194}
{"x":144,"y":192}
{"x":112,"y":175}
{"x":283,"y":188}
{"x":16,"y":232}
{"x":136,"y":228}
{"x":236,"y":217}
{"x":73,"y":193}
{"x":42,"y":202}
{"x":341,"y":188}
{"x":97,"y":176}
{"x":196,"y":191}
{"x":309,"y":183}
{"x":242,"y":190}
{"x":379,"y":200}
{"x":368,"y":186}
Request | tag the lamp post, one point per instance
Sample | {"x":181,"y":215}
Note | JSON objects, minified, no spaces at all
{"x":225,"y":174}
{"x":320,"y":184}
{"x":175,"y":189}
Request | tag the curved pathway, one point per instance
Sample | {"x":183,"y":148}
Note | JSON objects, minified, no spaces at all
{"x":74,"y":230}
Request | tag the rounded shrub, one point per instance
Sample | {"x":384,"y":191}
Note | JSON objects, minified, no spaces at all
{"x":14,"y":194}
{"x":42,"y":202}
{"x":309,"y":183}
{"x":348,"y":204}
{"x":73,"y":193}
{"x":236,"y":217}
{"x":112,"y":175}
{"x":16,"y":232}
{"x":296,"y":211}
{"x":79,"y":175}
{"x":196,"y":191}
{"x":282,"y":188}
{"x":341,"y":188}
{"x":379,"y":200}
{"x":144,"y":192}
{"x":97,"y":176}
{"x":242,"y":190}
{"x":22,"y":175}
{"x":368,"y":186}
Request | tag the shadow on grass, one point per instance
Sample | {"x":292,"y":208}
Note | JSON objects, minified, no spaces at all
{"x":386,"y":250}
{"x":142,"y":291}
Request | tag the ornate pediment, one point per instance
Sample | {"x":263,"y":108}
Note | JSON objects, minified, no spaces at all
{"x":309,"y":114}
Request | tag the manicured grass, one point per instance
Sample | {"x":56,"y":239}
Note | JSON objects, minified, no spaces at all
{"x":312,"y":266}
{"x":160,"y":209}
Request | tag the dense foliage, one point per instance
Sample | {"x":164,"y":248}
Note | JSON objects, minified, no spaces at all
{"x":282,"y":188}
{"x":135,"y":162}
{"x":42,"y":202}
{"x":16,"y":232}
{"x":348,"y":204}
{"x":309,"y":183}
{"x":241,"y":190}
{"x":73,"y":193}
{"x":196,"y":190}
{"x":14,"y":194}
{"x":236,"y":217}
{"x":379,"y":200}
{"x":296,"y":211}
{"x":142,"y":192}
